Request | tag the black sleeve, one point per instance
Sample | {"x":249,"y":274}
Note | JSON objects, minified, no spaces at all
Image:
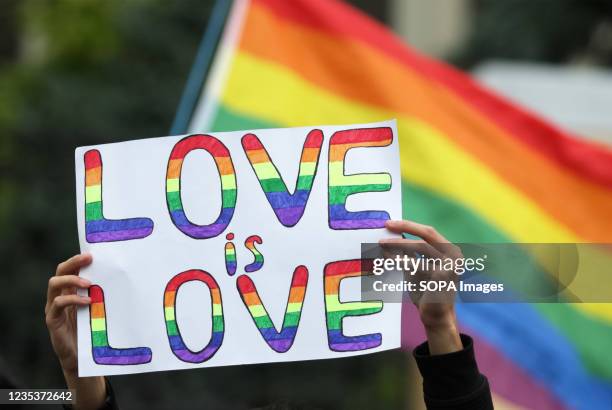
{"x":111,"y":401}
{"x":452,"y":381}
{"x":109,"y":404}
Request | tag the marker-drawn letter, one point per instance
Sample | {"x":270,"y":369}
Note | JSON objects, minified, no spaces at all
{"x":336,"y":311}
{"x":177,"y":344}
{"x":341,"y":186}
{"x":225,"y":167}
{"x":279,"y":341}
{"x":287,"y":207}
{"x":97,"y":227}
{"x":102,"y":351}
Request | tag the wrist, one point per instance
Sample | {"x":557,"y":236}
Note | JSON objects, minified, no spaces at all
{"x":443,"y":336}
{"x":70,"y":370}
{"x":90,"y":392}
{"x":71,"y":377}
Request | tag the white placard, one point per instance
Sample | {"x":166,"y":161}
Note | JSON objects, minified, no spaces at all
{"x":164,"y":219}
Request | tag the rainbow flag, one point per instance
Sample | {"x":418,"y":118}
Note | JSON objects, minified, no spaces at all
{"x":473,"y":165}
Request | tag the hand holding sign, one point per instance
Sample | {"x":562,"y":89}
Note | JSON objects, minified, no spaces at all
{"x":206,"y":255}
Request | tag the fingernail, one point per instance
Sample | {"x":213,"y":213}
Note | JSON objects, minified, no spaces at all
{"x":86,"y":299}
{"x":86,"y":283}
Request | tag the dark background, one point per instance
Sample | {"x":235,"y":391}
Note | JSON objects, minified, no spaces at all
{"x":80,"y":72}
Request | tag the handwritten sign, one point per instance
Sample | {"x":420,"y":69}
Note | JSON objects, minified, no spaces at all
{"x":233,"y":248}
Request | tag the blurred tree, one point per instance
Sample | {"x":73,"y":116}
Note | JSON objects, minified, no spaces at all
{"x":8,"y":31}
{"x":79,"y":72}
{"x":378,"y":9}
{"x":91,"y":72}
{"x":554,"y":31}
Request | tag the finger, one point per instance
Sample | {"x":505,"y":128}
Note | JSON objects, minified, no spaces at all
{"x":60,"y":303}
{"x":428,"y":233}
{"x":59,"y":283}
{"x":411,"y":246}
{"x":73,"y":265}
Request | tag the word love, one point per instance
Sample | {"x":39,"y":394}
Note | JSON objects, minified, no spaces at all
{"x":288,"y":207}
{"x":279,"y":341}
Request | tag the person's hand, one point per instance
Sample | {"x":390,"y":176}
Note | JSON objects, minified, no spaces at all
{"x":436,"y":308}
{"x":60,"y":316}
{"x":60,"y":311}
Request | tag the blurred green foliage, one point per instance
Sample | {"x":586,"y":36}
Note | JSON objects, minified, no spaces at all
{"x":551,"y":31}
{"x":80,"y":72}
{"x":90,"y":72}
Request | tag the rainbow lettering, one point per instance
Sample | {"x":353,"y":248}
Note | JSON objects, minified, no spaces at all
{"x":259,"y":259}
{"x":228,"y":185}
{"x":103,"y":353}
{"x":288,"y":208}
{"x":230,"y":255}
{"x":341,"y":185}
{"x":336,"y":311}
{"x":98,"y":228}
{"x":279,"y":341}
{"x":177,"y":345}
